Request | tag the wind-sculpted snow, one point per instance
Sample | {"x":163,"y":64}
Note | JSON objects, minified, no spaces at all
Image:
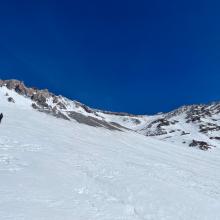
{"x":55,"y":169}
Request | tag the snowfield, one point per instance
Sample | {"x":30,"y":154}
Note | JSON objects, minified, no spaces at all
{"x":53,"y":169}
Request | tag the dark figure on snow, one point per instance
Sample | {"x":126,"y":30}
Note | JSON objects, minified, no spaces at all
{"x":1,"y":116}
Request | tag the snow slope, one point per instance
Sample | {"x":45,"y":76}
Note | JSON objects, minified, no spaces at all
{"x":54,"y":169}
{"x":194,"y":125}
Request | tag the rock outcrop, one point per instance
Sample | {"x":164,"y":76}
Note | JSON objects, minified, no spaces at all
{"x":58,"y":106}
{"x":180,"y":125}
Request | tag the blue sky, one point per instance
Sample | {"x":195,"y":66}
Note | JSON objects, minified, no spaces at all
{"x":134,"y":56}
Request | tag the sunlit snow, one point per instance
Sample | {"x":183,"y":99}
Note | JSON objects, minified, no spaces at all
{"x":53,"y":169}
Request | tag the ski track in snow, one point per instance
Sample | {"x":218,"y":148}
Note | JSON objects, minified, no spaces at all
{"x":52,"y":169}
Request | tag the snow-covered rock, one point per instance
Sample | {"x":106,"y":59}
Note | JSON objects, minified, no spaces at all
{"x":56,"y":169}
{"x":183,"y":126}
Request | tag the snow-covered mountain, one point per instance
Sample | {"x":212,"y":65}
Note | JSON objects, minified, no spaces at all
{"x":194,"y":126}
{"x":61,"y":160}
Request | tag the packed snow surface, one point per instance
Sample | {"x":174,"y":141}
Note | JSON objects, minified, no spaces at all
{"x":53,"y":169}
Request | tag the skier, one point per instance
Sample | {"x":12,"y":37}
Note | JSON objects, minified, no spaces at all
{"x":1,"y":116}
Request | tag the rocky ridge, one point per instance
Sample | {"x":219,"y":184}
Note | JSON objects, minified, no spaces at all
{"x":194,"y":125}
{"x":59,"y":106}
{"x":186,"y":124}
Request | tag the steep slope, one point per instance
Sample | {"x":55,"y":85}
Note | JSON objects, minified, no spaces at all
{"x":195,"y":126}
{"x":52,"y":168}
{"x":58,"y":106}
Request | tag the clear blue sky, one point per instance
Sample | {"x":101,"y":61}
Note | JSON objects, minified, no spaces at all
{"x":134,"y":56}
